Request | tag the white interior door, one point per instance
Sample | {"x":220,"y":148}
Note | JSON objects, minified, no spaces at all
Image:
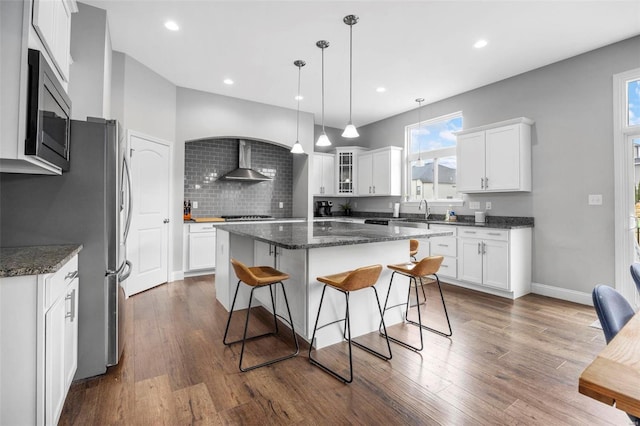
{"x":148,"y":244}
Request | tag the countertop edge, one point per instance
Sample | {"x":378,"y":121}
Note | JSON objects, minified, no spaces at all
{"x":35,"y":260}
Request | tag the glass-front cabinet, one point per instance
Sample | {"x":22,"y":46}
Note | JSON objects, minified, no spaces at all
{"x":346,"y":167}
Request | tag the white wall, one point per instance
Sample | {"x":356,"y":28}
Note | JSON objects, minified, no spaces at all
{"x":572,"y":150}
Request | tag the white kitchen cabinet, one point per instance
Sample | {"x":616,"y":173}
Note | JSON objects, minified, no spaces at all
{"x":323,"y":174}
{"x":380,"y":172}
{"x":201,"y":247}
{"x":52,"y":23}
{"x":347,"y":169}
{"x":495,"y":158}
{"x":39,"y":345}
{"x":496,"y":258}
{"x":446,"y":247}
{"x":17,"y":35}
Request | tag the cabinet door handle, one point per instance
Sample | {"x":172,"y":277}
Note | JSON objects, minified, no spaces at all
{"x":374,"y":189}
{"x":481,"y":183}
{"x":484,"y":248}
{"x":72,"y":308}
{"x":71,"y":275}
{"x":479,"y":248}
{"x":486,"y":183}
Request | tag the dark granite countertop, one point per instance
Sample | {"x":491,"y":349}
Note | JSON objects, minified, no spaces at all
{"x":34,"y":260}
{"x":311,"y":234}
{"x":493,"y":222}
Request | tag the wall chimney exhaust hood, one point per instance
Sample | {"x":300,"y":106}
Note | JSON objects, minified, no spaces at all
{"x":244,"y":171}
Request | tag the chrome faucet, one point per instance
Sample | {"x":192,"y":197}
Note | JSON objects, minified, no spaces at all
{"x":426,"y":208}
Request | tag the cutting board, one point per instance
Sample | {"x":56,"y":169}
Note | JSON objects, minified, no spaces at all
{"x":207,"y":219}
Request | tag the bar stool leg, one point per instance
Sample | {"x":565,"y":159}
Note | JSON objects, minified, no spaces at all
{"x":444,"y":305}
{"x":347,"y":336}
{"x":246,"y":327}
{"x":406,"y":316}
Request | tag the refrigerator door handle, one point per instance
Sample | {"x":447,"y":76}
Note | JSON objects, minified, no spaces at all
{"x":126,"y":170}
{"x":125,"y":271}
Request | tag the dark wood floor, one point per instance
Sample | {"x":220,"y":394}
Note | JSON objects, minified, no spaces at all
{"x":508,"y":362}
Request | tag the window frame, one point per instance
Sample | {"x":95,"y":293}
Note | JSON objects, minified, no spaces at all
{"x":435,"y":155}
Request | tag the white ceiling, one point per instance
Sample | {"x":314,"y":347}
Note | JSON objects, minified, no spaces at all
{"x":412,"y":48}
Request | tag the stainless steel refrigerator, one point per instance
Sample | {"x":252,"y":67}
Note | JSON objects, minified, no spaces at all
{"x":90,"y":204}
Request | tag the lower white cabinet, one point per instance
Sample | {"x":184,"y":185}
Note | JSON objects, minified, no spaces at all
{"x":446,"y":247}
{"x":496,"y":258}
{"x":39,"y":344}
{"x":200,"y":253}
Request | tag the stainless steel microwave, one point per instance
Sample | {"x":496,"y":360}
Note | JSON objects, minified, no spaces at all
{"x":48,"y":114}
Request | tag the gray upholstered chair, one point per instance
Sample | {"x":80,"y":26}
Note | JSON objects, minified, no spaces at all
{"x":613,"y":312}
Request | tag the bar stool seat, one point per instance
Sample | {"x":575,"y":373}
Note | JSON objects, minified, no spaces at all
{"x":429,"y":266}
{"x":346,"y":282}
{"x":258,"y":277}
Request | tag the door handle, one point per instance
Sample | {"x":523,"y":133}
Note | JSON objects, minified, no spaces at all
{"x":72,"y":309}
{"x":165,"y":221}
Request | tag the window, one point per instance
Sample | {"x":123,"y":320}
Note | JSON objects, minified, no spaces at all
{"x":431,"y":158}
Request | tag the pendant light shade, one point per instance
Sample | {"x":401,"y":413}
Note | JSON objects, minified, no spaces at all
{"x":297,"y":147}
{"x":350,"y":131}
{"x":323,"y":140}
{"x":420,"y":162}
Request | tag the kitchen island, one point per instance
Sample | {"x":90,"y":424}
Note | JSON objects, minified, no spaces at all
{"x":306,"y":250}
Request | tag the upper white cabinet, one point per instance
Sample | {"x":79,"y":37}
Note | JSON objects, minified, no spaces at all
{"x":496,"y":157}
{"x":52,"y":23}
{"x":347,"y":169}
{"x":380,"y":172}
{"x":323,"y":174}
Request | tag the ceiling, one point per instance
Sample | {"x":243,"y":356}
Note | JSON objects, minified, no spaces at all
{"x":411,"y":48}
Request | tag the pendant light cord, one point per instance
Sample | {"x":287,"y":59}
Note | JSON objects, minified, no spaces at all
{"x":298,"y":112}
{"x":322,"y":89}
{"x":350,"y":69}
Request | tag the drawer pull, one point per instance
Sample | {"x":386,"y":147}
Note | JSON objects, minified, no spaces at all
{"x":469,"y":232}
{"x":443,"y":245}
{"x":444,"y":266}
{"x":495,"y":233}
{"x":71,"y":275}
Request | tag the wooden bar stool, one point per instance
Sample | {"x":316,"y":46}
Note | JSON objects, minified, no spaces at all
{"x":428,"y":266}
{"x":413,"y":248}
{"x":345,"y":283}
{"x":257,"y":277}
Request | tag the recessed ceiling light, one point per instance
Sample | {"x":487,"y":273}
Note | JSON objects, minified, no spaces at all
{"x":171,"y":26}
{"x":480,"y":44}
{"x":381,"y":90}
{"x":298,"y":97}
{"x":228,"y":81}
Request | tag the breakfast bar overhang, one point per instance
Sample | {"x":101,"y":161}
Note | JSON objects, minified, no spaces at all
{"x":306,"y":250}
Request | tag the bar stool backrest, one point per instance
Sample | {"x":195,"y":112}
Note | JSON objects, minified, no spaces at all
{"x":428,"y":266}
{"x":361,"y":278}
{"x":243,"y":273}
{"x":413,"y":245}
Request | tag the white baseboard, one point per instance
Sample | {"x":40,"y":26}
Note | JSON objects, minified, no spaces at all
{"x":177,"y":275}
{"x":562,"y":293}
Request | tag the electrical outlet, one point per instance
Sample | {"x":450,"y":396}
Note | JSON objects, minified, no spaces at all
{"x":195,"y":204}
{"x":474,"y":205}
{"x":280,"y":204}
{"x":487,"y":206}
{"x":595,"y":199}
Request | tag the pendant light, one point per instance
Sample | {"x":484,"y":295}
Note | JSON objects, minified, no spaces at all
{"x":420,"y":162}
{"x":350,"y":131}
{"x":323,"y":140}
{"x":297,"y":147}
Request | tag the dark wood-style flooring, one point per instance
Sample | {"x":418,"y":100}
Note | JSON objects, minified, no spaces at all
{"x":508,"y":362}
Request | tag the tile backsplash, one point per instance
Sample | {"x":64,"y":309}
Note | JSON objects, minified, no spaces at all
{"x":207,"y":160}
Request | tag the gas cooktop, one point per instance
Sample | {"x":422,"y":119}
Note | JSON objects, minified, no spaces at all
{"x":246,"y":217}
